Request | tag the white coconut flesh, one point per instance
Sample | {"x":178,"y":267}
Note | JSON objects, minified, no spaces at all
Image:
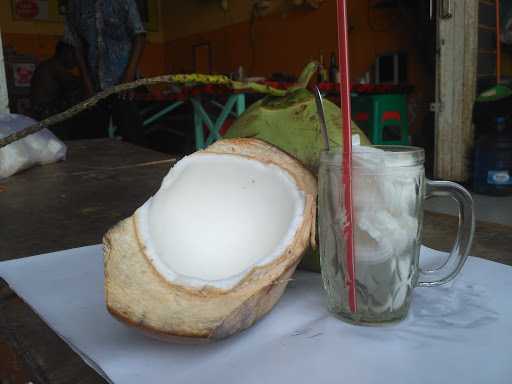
{"x":216,"y":217}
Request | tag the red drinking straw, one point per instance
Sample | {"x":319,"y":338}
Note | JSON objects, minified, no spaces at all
{"x":347,"y":151}
{"x":498,"y":43}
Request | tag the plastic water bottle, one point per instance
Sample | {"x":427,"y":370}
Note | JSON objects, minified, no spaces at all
{"x":492,"y":161}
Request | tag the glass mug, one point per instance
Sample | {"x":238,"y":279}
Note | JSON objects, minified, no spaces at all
{"x":388,"y":191}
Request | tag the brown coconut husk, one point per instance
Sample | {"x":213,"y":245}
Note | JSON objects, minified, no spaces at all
{"x":141,"y":297}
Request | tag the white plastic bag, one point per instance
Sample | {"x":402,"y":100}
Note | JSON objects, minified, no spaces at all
{"x":42,"y":147}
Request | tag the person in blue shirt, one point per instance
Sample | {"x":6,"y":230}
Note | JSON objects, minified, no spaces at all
{"x":108,"y":39}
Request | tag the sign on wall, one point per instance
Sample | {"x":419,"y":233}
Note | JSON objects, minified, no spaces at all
{"x":41,"y":10}
{"x":54,"y":10}
{"x":22,"y":74}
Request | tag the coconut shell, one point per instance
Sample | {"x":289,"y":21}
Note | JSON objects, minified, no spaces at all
{"x":141,"y":297}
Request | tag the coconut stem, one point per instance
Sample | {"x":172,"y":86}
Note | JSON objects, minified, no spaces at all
{"x":178,"y":79}
{"x":306,"y":75}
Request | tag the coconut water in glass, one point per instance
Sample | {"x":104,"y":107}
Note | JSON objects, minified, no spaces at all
{"x":389,"y":188}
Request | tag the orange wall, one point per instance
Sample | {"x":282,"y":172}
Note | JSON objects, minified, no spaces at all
{"x":38,"y":39}
{"x":42,"y":47}
{"x":287,"y":41}
{"x":284,"y":40}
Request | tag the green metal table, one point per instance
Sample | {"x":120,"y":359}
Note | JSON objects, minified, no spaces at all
{"x":234,"y":105}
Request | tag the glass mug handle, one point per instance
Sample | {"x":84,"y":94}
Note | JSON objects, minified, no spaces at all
{"x":459,"y":253}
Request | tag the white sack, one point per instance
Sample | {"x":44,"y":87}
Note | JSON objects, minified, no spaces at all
{"x":42,"y":147}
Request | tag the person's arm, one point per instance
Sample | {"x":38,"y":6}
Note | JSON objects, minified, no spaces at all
{"x":84,"y":71}
{"x":134,"y":23}
{"x":139,"y":42}
{"x":72,"y":38}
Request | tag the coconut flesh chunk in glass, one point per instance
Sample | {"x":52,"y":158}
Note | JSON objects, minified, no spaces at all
{"x":213,"y":249}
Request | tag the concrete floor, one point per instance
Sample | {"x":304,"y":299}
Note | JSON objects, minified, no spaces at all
{"x":492,"y":209}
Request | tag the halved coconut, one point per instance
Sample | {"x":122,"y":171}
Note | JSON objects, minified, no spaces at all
{"x":212,"y":251}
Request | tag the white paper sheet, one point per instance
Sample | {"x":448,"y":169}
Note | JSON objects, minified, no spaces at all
{"x":459,"y":333}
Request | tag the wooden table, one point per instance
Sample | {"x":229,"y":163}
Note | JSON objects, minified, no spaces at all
{"x":55,"y":207}
{"x":72,"y":204}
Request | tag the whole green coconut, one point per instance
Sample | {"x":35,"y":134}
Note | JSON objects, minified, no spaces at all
{"x":291,"y":123}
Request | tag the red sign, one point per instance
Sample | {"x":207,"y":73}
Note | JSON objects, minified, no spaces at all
{"x":23,"y":73}
{"x":27,"y":9}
